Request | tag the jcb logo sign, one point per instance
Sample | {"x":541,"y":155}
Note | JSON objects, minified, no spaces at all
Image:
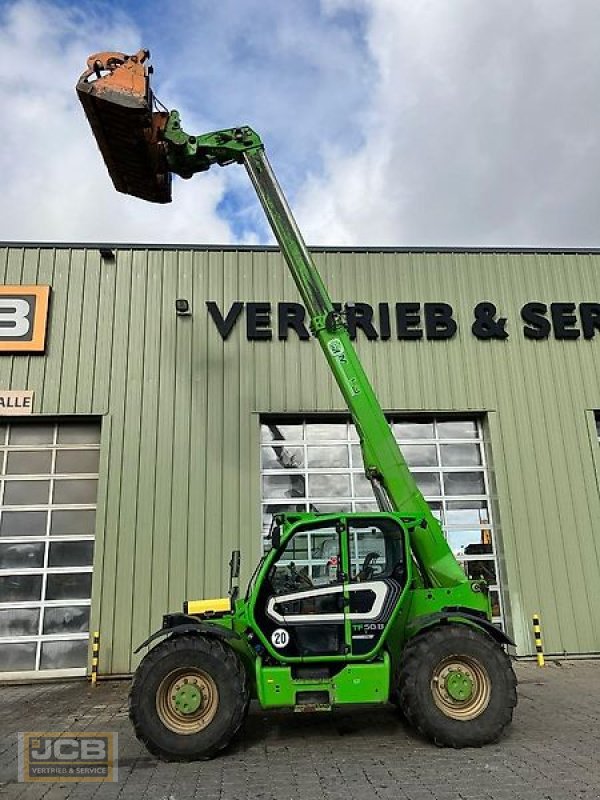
{"x":67,"y":756}
{"x":23,"y":318}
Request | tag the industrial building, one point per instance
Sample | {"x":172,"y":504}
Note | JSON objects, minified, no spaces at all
{"x":159,"y":404}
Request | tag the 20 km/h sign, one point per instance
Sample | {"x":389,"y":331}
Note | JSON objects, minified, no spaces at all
{"x":23,"y":318}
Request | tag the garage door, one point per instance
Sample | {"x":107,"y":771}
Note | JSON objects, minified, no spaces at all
{"x":317,"y":465}
{"x":48,"y":490}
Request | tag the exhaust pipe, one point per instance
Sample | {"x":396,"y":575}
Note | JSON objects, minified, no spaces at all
{"x":117,"y":99}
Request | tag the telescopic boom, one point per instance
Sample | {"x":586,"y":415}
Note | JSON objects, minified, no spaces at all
{"x":141,"y":148}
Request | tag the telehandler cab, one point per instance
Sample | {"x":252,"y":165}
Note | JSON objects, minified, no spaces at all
{"x":344,"y":608}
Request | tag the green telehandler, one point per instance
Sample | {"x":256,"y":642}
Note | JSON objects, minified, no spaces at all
{"x":344,"y":609}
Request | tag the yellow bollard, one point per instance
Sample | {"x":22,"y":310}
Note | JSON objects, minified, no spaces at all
{"x":537,"y":635}
{"x":95,"y":649}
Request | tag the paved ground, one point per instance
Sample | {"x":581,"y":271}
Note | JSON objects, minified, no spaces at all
{"x":551,"y":753}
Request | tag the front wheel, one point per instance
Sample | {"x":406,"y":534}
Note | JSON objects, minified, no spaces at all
{"x":457,"y":686}
{"x":188,"y":698}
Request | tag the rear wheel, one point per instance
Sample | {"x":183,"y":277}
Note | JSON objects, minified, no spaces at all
{"x":189,"y":697}
{"x":457,"y":686}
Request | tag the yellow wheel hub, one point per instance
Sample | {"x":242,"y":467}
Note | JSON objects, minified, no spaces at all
{"x":187,"y":700}
{"x":461,"y":687}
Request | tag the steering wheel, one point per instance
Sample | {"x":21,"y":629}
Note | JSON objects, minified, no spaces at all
{"x":368,"y":568}
{"x":299,"y":580}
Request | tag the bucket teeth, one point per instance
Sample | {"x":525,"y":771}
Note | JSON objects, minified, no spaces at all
{"x":117,"y":100}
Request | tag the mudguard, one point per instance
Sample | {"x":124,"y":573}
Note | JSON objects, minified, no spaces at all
{"x":178,"y":624}
{"x":459,"y":615}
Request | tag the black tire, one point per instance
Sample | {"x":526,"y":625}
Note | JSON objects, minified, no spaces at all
{"x":423,"y":693}
{"x":222,"y":672}
{"x":395,"y":698}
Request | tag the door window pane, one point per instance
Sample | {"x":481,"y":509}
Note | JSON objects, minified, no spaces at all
{"x":328,"y":456}
{"x":83,"y":461}
{"x":413,"y":430}
{"x":75,"y":492}
{"x":65,"y":586}
{"x":18,"y":622}
{"x":71,"y":554}
{"x":270,"y":432}
{"x":357,"y":459}
{"x":72,"y":523}
{"x":328,"y":485}
{"x":283,"y":486}
{"x":63,"y":655}
{"x":368,"y":553}
{"x":457,"y":429}
{"x":20,"y":588}
{"x":76,"y":433}
{"x":376,"y":548}
{"x":420,"y":455}
{"x":476,"y":542}
{"x":66,"y":619}
{"x":22,"y":555}
{"x":279,"y":456}
{"x":428,"y":482}
{"x":467,"y":512}
{"x":295,"y":550}
{"x":312,"y":558}
{"x":17,"y":657}
{"x":32,"y":462}
{"x":31,"y":433}
{"x":460,"y":455}
{"x":26,"y":493}
{"x":316,"y":431}
{"x":23,"y":523}
{"x":464,"y":483}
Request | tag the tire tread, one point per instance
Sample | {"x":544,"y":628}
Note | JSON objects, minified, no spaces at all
{"x":417,"y":652}
{"x":218,"y":650}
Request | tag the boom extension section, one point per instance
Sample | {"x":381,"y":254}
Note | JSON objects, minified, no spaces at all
{"x":141,"y":148}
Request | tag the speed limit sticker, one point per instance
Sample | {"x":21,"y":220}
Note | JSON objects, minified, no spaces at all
{"x":280,"y":638}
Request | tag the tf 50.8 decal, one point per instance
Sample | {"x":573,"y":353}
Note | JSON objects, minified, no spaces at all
{"x":23,"y":318}
{"x":280,"y":638}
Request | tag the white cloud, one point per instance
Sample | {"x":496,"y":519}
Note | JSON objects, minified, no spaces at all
{"x":389,"y":122}
{"x":54,"y":184}
{"x":483,"y":128}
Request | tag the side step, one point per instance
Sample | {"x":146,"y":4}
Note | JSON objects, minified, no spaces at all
{"x":307,"y":702}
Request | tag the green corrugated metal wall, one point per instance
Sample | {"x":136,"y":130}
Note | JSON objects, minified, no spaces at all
{"x":180,"y":463}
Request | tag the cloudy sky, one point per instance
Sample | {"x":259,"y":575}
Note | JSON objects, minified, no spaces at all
{"x":388,"y":122}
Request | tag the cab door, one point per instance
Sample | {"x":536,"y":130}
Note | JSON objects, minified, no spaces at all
{"x":301,"y":606}
{"x":377,"y":577}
